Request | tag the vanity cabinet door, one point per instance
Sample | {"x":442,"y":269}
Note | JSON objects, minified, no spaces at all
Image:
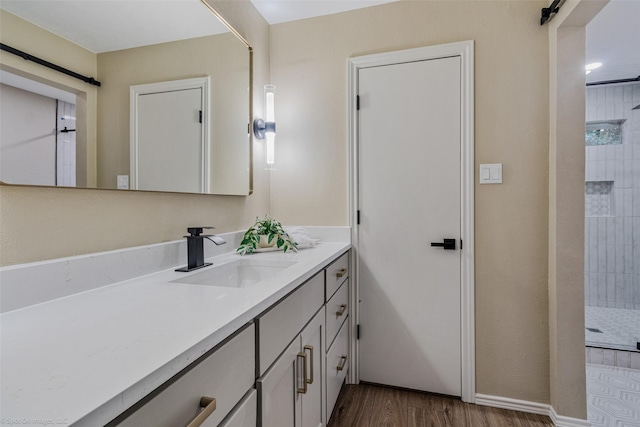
{"x":313,"y":348}
{"x":278,"y":404}
{"x":291,"y":392}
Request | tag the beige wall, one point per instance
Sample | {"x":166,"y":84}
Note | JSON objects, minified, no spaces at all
{"x":33,"y":40}
{"x":38,"y":223}
{"x":178,"y":60}
{"x":309,"y":67}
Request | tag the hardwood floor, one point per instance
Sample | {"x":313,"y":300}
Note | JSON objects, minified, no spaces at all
{"x":372,"y":405}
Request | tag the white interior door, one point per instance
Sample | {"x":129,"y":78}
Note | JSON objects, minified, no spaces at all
{"x":170,"y":146}
{"x":409,"y":196}
{"x":66,"y":144}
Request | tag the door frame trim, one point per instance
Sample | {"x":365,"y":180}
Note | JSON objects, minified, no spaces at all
{"x":203,"y":83}
{"x":464,"y":50}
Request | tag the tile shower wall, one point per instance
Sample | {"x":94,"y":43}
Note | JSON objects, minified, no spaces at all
{"x":612,"y":202}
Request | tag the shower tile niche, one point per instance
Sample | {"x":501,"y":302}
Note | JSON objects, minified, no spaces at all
{"x":607,"y":132}
{"x":598,"y":198}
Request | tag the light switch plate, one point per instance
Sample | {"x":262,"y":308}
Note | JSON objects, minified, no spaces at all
{"x":123,"y":182}
{"x":491,"y":173}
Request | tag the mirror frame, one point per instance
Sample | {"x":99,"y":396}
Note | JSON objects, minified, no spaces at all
{"x":250,"y":116}
{"x":250,"y":49}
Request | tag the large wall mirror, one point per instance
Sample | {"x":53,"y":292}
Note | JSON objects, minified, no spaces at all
{"x":172,"y":111}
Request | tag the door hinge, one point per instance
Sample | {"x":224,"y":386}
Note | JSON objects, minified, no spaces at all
{"x":460,"y":244}
{"x":358,"y":332}
{"x":357,"y":102}
{"x":200,"y":116}
{"x":358,"y":217}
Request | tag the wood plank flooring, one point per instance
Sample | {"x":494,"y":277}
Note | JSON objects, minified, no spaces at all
{"x":371,"y":405}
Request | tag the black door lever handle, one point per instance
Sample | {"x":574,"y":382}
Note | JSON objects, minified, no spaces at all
{"x":448,"y":244}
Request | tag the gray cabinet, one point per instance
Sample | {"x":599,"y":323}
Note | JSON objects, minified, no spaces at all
{"x":337,"y":330}
{"x":291,"y":391}
{"x":291,"y":383}
{"x":300,"y":387}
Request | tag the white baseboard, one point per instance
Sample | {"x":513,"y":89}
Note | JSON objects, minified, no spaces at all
{"x":531,"y":408}
{"x":562,"y":421}
{"x":513,"y":404}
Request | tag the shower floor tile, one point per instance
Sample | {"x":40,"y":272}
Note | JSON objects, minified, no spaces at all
{"x":613,"y":396}
{"x":620,"y":327}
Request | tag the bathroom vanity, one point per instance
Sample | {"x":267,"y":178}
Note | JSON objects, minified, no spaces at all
{"x":266,"y":344}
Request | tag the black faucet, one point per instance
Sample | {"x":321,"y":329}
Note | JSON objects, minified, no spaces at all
{"x":195,"y":248}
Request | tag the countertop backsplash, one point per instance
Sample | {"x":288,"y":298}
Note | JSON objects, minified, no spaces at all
{"x":24,"y":285}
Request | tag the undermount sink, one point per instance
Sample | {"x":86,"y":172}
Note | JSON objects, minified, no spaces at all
{"x":242,"y":273}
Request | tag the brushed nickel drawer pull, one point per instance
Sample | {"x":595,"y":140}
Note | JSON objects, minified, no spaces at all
{"x":343,"y":362}
{"x":341,"y":272}
{"x":343,"y":308}
{"x":310,"y":348}
{"x":209,"y":405}
{"x":303,"y":390}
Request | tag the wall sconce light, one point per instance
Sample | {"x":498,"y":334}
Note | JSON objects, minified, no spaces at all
{"x":266,"y":129}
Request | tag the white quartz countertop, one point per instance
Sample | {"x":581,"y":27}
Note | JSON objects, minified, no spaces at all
{"x":85,"y":358}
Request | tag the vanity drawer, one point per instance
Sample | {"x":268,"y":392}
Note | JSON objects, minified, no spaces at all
{"x":245,"y":414}
{"x":279,"y":326}
{"x":337,"y":366}
{"x":336,"y":274}
{"x":337,"y":312}
{"x":225,"y":375}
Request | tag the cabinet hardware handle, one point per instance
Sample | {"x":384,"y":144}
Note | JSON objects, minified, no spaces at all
{"x":310,"y":348}
{"x":343,"y":308}
{"x":209,"y":405}
{"x":343,"y":362}
{"x":341,"y":272}
{"x":303,"y":390}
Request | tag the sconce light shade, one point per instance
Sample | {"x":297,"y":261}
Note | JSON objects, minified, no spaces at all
{"x":266,"y":129}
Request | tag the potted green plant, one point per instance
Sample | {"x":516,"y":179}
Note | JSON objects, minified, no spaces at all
{"x":266,"y":233}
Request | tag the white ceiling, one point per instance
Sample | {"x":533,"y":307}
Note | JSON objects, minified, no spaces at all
{"x":613,"y":36}
{"x":108,"y":25}
{"x":278,"y":11}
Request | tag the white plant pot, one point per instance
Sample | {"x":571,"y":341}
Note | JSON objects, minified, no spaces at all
{"x":264,"y":239}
